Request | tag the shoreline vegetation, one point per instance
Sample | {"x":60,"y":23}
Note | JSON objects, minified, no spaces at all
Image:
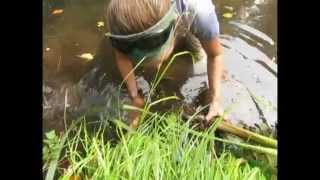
{"x":164,"y":147}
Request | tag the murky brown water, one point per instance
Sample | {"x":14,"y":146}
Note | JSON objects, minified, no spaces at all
{"x":249,"y":38}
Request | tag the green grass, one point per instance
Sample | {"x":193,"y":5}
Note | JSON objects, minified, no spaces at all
{"x":161,"y":148}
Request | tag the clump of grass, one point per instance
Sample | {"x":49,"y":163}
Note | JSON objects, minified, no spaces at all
{"x":161,"y":148}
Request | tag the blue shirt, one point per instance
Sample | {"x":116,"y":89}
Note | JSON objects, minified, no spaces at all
{"x":205,"y":25}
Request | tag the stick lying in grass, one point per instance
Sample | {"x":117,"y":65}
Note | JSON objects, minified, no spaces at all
{"x":225,"y":126}
{"x":243,"y":133}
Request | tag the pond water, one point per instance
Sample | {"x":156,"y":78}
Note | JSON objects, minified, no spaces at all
{"x":248,"y":34}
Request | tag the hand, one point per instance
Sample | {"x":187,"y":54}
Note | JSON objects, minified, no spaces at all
{"x":215,"y":110}
{"x":134,"y":116}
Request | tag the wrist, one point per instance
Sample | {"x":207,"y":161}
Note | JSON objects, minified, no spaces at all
{"x":215,"y":103}
{"x":133,"y":95}
{"x":214,"y":97}
{"x":138,"y":101}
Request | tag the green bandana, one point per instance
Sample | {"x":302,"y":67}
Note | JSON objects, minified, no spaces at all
{"x":137,"y":54}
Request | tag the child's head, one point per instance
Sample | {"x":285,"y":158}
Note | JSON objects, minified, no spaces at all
{"x":133,"y":16}
{"x":127,"y":17}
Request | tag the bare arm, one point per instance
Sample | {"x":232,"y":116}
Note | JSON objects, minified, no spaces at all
{"x":214,"y":52}
{"x":125,"y":67}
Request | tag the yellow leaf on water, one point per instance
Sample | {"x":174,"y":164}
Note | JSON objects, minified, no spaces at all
{"x":100,"y":23}
{"x":86,"y":56}
{"x":57,"y":11}
{"x":227,"y":15}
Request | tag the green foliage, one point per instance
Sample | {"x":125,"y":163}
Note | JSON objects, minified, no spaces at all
{"x":161,"y":148}
{"x":50,"y":149}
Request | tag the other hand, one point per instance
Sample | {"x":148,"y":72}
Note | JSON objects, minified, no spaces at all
{"x":215,"y":110}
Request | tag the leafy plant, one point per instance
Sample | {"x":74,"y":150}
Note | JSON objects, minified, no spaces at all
{"x":50,"y":149}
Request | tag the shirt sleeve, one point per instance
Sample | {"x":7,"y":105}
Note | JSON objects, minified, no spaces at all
{"x":205,"y":25}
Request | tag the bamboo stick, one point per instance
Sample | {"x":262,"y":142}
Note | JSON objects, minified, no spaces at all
{"x":243,"y":133}
{"x":227,"y":127}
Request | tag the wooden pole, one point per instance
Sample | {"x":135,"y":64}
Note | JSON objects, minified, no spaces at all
{"x":246,"y":134}
{"x":227,"y":127}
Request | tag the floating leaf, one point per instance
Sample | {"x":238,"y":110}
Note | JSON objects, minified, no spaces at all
{"x":86,"y":56}
{"x":100,"y":23}
{"x":57,"y":11}
{"x":227,"y":15}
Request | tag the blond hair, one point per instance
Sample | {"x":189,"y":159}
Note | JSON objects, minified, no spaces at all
{"x":133,"y":16}
{"x":124,"y":17}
